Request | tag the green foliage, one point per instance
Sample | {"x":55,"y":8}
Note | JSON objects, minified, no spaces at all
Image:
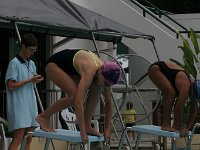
{"x":190,"y":54}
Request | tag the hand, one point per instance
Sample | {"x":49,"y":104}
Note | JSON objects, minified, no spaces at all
{"x":37,"y":78}
{"x":84,"y":137}
{"x":184,"y":132}
{"x":106,"y":145}
{"x":107,"y":136}
{"x":106,"y":139}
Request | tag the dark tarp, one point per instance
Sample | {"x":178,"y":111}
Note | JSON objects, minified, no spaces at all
{"x":63,"y":18}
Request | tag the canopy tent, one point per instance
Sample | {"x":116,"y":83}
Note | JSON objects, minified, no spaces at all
{"x":63,"y":18}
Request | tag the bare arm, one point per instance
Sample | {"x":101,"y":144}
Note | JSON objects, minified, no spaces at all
{"x":84,"y":84}
{"x":13,"y":85}
{"x":108,"y":112}
{"x":193,"y":111}
{"x":92,"y":101}
{"x":192,"y":115}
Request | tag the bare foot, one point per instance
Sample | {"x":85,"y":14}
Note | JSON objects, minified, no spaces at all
{"x":44,"y":124}
{"x":92,"y":131}
{"x":170,"y":129}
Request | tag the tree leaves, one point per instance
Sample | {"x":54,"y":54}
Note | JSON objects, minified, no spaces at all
{"x":194,"y":41}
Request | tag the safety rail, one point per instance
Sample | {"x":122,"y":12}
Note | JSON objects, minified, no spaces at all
{"x":156,"y":13}
{"x":161,"y":13}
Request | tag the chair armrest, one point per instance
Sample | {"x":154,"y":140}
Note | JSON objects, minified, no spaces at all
{"x":197,"y":125}
{"x":2,"y":131}
{"x":72,"y":122}
{"x":3,"y":124}
{"x":3,"y":121}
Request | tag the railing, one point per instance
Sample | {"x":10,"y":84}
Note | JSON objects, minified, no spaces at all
{"x":156,"y":13}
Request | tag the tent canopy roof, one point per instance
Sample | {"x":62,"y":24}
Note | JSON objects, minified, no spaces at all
{"x":62,"y":18}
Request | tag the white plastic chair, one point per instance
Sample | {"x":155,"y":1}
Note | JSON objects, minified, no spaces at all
{"x":70,"y":120}
{"x":5,"y":140}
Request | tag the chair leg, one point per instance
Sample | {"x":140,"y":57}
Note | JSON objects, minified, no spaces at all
{"x":68,"y":145}
{"x":173,"y":146}
{"x":101,"y":144}
{"x":6,"y":142}
{"x":46,"y":147}
{"x":24,"y":142}
{"x":87,"y":146}
{"x":121,"y":140}
{"x":137,"y":141}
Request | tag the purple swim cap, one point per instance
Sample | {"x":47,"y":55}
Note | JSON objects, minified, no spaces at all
{"x":111,"y":72}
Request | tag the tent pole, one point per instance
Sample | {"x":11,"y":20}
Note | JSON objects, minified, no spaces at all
{"x":17,"y":31}
{"x":95,"y":44}
{"x":152,"y":40}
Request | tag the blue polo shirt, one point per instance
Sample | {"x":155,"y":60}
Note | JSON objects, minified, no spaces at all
{"x":21,"y":102}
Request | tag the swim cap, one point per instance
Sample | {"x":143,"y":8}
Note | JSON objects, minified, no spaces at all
{"x":196,"y":89}
{"x":111,"y":72}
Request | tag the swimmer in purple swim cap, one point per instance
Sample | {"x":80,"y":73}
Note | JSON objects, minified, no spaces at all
{"x":83,"y":76}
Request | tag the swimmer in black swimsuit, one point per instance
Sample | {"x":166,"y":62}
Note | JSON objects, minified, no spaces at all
{"x":81,"y":73}
{"x":176,"y":85}
{"x":170,"y":73}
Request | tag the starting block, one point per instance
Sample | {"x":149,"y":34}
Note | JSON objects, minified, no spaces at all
{"x":60,"y":134}
{"x":156,"y":130}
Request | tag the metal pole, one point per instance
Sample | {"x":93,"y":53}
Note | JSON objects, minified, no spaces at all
{"x":121,"y":121}
{"x":152,"y":40}
{"x":17,"y":31}
{"x":95,"y":44}
{"x":38,"y":98}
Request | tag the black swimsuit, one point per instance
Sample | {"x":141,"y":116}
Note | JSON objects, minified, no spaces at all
{"x":169,"y":73}
{"x":64,"y":59}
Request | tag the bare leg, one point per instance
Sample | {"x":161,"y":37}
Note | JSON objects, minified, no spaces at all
{"x":17,"y":139}
{"x":29,"y":138}
{"x":43,"y":118}
{"x":166,"y":121}
{"x":164,"y":85}
{"x":133,"y":135}
{"x":92,"y":100}
{"x":66,"y":83}
{"x":184,"y":88}
{"x":130,"y":134}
